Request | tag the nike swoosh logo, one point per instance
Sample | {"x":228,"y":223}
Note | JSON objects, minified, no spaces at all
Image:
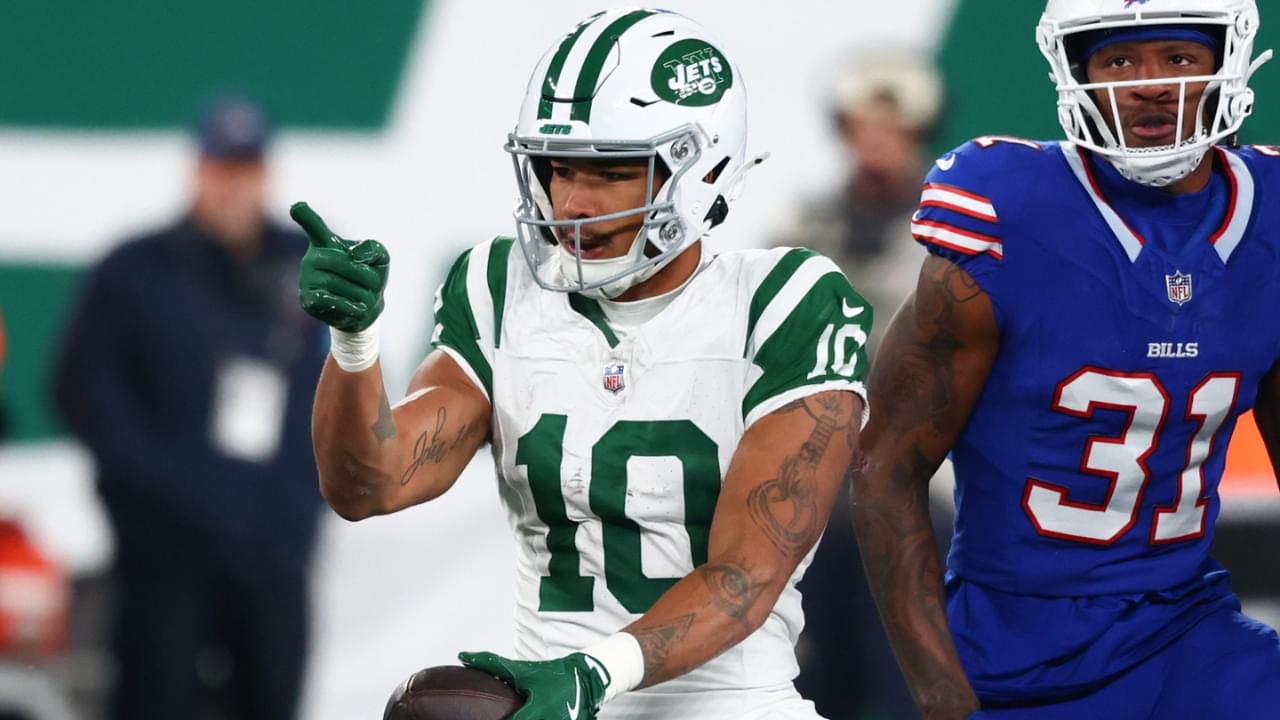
{"x":946,"y":163}
{"x":851,"y":312}
{"x":577,"y":697}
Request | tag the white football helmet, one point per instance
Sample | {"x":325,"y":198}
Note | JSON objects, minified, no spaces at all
{"x":630,"y":83}
{"x":1227,"y":96}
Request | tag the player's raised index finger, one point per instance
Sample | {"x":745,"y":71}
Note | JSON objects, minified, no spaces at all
{"x":311,"y":224}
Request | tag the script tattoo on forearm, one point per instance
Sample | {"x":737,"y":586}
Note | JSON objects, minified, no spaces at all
{"x":895,"y":534}
{"x":656,"y":642}
{"x":786,"y":508}
{"x":434,"y":445}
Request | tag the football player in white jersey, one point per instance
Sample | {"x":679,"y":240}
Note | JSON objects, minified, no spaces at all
{"x":669,"y":427}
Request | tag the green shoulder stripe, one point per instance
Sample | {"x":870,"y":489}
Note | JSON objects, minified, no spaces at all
{"x":545,"y":106}
{"x":584,"y":92}
{"x":820,"y":342}
{"x":456,"y":326}
{"x":772,"y":284}
{"x":499,"y":254}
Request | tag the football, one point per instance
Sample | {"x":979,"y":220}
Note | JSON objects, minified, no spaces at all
{"x":451,"y":692}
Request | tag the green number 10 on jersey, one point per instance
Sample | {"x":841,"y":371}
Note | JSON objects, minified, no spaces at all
{"x":541,"y":452}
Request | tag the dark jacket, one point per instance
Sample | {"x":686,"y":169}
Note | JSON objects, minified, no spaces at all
{"x":136,"y":383}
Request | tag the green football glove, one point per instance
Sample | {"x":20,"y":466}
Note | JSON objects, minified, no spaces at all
{"x":342,"y":281}
{"x":569,"y":688}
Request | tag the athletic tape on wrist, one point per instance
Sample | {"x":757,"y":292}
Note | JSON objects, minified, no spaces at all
{"x":354,"y":351}
{"x":623,"y":662}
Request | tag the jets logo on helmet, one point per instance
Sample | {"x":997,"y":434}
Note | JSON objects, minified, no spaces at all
{"x":1231,"y":26}
{"x":635,"y":84}
{"x":691,"y":72}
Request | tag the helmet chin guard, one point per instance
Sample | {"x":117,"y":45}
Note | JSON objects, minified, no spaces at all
{"x":1236,"y":22}
{"x":632,"y":84}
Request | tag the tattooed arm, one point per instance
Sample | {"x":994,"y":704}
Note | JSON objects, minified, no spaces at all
{"x":774,"y":504}
{"x":1266,"y":412}
{"x":376,"y":459}
{"x":931,"y":367}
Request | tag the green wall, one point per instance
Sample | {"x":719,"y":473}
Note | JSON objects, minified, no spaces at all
{"x":998,"y":83}
{"x":144,"y":64}
{"x":34,"y":300}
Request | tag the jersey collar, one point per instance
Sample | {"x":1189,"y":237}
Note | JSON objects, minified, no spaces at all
{"x":1224,"y":240}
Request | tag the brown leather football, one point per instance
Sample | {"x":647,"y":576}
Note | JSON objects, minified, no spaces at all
{"x":451,"y":692}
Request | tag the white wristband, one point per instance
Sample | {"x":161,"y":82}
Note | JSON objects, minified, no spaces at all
{"x":622,"y":660}
{"x":354,"y":351}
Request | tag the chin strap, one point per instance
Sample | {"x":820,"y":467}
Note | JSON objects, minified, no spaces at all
{"x":1160,"y":171}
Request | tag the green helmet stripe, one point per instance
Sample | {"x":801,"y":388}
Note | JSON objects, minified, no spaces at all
{"x":557,"y":66}
{"x":584,"y":92}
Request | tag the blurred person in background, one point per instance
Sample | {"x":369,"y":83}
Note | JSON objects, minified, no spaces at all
{"x":188,"y":371}
{"x":883,"y":109}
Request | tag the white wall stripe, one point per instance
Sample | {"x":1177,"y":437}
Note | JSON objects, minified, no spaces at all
{"x":1130,"y":242}
{"x":779,"y":309}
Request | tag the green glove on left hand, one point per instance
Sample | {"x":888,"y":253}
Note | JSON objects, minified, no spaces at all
{"x":569,"y":688}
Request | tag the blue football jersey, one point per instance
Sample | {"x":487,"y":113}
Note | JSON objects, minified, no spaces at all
{"x":1090,"y":465}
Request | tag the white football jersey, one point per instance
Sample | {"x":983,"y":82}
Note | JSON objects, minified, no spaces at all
{"x":610,"y":450}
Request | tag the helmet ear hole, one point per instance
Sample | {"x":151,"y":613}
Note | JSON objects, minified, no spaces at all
{"x":719,"y":211}
{"x":541,"y":167}
{"x":542,"y":171}
{"x":661,"y":172}
{"x":711,"y":177}
{"x":1078,"y":65}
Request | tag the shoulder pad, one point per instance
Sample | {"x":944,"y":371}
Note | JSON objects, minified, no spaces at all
{"x":985,"y":160}
{"x":1262,"y":160}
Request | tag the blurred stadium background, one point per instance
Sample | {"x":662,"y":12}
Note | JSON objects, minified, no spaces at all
{"x":392,"y":117}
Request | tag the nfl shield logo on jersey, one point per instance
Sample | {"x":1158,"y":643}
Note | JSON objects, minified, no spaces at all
{"x":613,"y":377}
{"x":1179,"y":287}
